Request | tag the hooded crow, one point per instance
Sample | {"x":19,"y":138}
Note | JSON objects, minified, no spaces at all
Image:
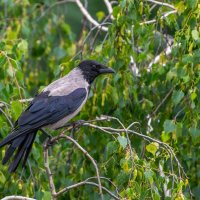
{"x":52,"y":108}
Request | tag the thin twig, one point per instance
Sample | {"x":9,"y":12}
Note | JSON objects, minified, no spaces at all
{"x":162,"y":4}
{"x":82,"y":9}
{"x":162,"y":17}
{"x":109,"y":7}
{"x":163,"y":100}
{"x":107,"y":179}
{"x":9,"y":59}
{"x":90,"y":157}
{"x":48,"y":171}
{"x":17,"y":198}
{"x":114,"y":130}
{"x":53,"y":5}
{"x":2,"y":104}
{"x":50,"y":177}
{"x":86,"y":183}
{"x":89,"y":17}
{"x":7,"y":117}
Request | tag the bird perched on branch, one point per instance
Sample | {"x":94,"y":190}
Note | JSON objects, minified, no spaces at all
{"x":53,"y":108}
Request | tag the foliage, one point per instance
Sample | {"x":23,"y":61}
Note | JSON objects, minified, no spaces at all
{"x":40,"y":41}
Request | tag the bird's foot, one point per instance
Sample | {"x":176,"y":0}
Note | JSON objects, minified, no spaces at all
{"x":73,"y":124}
{"x":78,"y":123}
{"x":51,"y":143}
{"x":46,"y":134}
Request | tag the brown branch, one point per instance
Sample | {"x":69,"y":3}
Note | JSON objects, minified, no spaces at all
{"x":90,"y":158}
{"x":163,"y":100}
{"x":89,"y":17}
{"x":3,"y":104}
{"x":7,"y":117}
{"x":13,"y":197}
{"x":109,"y":7}
{"x":146,"y":137}
{"x":9,"y":59}
{"x":86,"y":182}
{"x":83,"y":11}
{"x":48,"y":171}
{"x":162,"y":4}
{"x":162,"y":17}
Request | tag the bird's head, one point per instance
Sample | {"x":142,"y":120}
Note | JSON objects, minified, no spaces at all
{"x":91,"y":69}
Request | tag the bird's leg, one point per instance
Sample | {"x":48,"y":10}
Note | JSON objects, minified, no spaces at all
{"x":77,"y":123}
{"x":45,"y":133}
{"x":73,"y":124}
{"x":50,"y":143}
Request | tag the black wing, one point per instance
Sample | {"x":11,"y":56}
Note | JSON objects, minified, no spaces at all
{"x":45,"y":109}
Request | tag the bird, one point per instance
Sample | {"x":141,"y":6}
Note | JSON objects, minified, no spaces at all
{"x":58,"y":103}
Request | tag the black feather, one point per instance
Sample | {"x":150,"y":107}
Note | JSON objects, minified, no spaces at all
{"x":52,"y":108}
{"x":42,"y":111}
{"x":28,"y":149}
{"x":11,"y":148}
{"x":23,"y":150}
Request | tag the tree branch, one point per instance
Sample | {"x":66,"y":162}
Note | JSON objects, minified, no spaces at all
{"x":90,"y":158}
{"x":89,"y":17}
{"x":162,"y":4}
{"x":49,"y":174}
{"x":48,"y":171}
{"x":162,"y":17}
{"x":109,"y":7}
{"x":86,"y":183}
{"x":17,"y":198}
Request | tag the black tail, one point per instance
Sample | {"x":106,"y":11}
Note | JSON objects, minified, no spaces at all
{"x":22,"y":143}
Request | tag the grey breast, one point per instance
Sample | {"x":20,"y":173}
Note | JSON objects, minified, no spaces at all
{"x":65,"y":86}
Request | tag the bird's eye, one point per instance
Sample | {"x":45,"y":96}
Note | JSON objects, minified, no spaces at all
{"x":95,"y":66}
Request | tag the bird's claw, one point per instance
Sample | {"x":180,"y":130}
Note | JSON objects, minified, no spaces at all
{"x":78,"y":123}
{"x":51,"y":143}
{"x":46,"y":134}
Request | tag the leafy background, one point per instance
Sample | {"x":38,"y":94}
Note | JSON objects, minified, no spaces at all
{"x":41,"y":41}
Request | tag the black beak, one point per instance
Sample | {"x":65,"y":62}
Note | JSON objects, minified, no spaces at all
{"x":106,"y":70}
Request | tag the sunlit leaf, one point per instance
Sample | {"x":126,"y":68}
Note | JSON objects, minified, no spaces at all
{"x":123,"y":141}
{"x":177,"y":97}
{"x":169,"y":126}
{"x":152,"y":147}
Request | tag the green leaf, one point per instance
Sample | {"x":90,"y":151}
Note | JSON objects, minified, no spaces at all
{"x":152,"y":147}
{"x":2,"y":44}
{"x":23,"y":46}
{"x":195,"y":34}
{"x":195,"y":134}
{"x":16,"y":108}
{"x":179,"y":129}
{"x":169,"y":126}
{"x":170,"y":75}
{"x":11,"y":71}
{"x":116,"y":10}
{"x":2,"y":178}
{"x":2,"y":60}
{"x":156,"y":196}
{"x":165,"y":136}
{"x":100,"y":15}
{"x":192,"y":3}
{"x":180,"y":7}
{"x":193,"y":96}
{"x":47,"y":195}
{"x":149,"y":175}
{"x":111,"y":148}
{"x":177,"y":96}
{"x":123,"y":141}
{"x":59,"y":53}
